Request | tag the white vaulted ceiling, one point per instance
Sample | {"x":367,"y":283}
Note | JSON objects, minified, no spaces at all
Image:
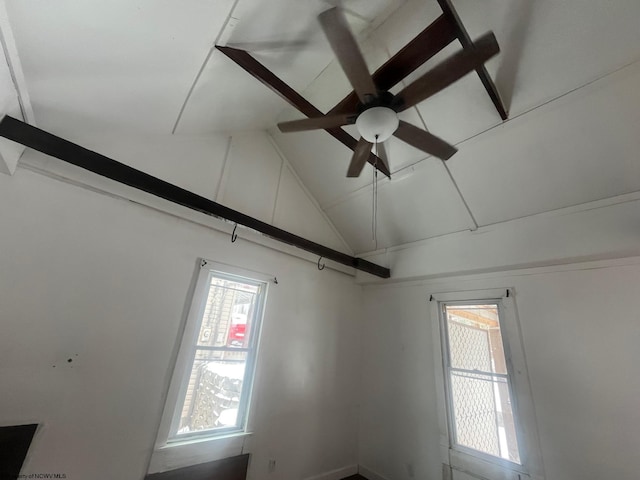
{"x":568,"y":72}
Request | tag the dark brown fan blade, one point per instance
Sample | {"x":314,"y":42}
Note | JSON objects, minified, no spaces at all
{"x":348,"y":53}
{"x":424,"y":46}
{"x":448,"y":72}
{"x":382,"y":155}
{"x":425,"y":141}
{"x":360,"y":155}
{"x":324,"y":122}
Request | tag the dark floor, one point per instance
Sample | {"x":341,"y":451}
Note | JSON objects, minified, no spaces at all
{"x":355,"y":477}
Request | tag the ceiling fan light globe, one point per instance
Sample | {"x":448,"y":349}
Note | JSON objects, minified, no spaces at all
{"x":377,"y":124}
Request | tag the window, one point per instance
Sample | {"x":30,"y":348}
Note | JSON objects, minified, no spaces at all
{"x":478,"y":393}
{"x":487,"y":415}
{"x":218,"y":353}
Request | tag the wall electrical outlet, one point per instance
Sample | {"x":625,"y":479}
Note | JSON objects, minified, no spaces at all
{"x":272,"y":466}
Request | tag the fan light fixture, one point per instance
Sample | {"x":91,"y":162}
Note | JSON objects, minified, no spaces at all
{"x":377,"y":124}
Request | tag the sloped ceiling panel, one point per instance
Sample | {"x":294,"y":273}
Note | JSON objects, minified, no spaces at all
{"x":321,"y":162}
{"x":581,"y":148}
{"x":258,"y":181}
{"x":252,"y":173}
{"x":421,"y":204}
{"x":296,"y":212}
{"x":112,"y":65}
{"x":228,"y":99}
{"x":535,"y":162}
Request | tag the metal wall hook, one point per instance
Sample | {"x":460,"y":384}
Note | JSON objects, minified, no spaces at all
{"x":234,"y":236}
{"x":320,"y":267}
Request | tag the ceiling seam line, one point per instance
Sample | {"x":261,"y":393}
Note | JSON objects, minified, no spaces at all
{"x":223,"y":171}
{"x":464,"y":201}
{"x":355,"y":14}
{"x":275,"y":200}
{"x":6,"y":34}
{"x":202,"y":67}
{"x":405,"y":246}
{"x":455,"y":184}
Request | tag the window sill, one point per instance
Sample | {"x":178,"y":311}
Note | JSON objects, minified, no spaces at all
{"x":197,"y":450}
{"x":492,"y":470}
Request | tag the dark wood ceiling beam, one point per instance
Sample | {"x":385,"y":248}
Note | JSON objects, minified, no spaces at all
{"x":69,"y":152}
{"x":293,"y":98}
{"x":440,"y":33}
{"x":463,"y":36}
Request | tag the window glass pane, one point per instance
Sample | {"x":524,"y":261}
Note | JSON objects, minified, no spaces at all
{"x":214,"y":391}
{"x":474,"y":338}
{"x":228,"y":313}
{"x":480,"y":397}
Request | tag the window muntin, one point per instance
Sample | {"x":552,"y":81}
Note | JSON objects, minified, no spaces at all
{"x":215,"y":391}
{"x":479,"y":392}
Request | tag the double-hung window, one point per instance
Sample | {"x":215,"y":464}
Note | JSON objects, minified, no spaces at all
{"x":487,"y":418}
{"x":214,"y":372}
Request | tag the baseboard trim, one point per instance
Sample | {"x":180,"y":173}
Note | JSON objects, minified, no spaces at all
{"x":337,"y":474}
{"x":369,"y":474}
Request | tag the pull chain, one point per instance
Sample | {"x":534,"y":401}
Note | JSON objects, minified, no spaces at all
{"x":374,"y":220}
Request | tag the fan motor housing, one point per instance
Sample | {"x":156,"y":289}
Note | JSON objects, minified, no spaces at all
{"x":381,"y":99}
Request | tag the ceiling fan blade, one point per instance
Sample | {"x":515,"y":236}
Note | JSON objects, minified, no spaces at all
{"x":425,"y":141}
{"x":324,"y":122}
{"x":425,"y":45}
{"x":348,"y":53}
{"x":448,"y":72}
{"x":360,"y":156}
{"x":382,"y":155}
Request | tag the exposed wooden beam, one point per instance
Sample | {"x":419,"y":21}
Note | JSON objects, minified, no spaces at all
{"x":69,"y":152}
{"x":440,"y":33}
{"x":293,"y":98}
{"x":463,"y":36}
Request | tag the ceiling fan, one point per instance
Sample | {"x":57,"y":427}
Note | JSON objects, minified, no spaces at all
{"x":375,"y":115}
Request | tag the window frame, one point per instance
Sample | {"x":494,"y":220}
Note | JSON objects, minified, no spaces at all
{"x":188,"y":347}
{"x":459,"y":457}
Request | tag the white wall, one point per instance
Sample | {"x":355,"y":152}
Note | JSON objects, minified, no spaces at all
{"x":580,"y":328}
{"x":104,"y":282}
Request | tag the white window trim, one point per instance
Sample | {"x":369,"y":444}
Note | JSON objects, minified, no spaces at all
{"x":210,"y":441}
{"x":465,"y":460}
